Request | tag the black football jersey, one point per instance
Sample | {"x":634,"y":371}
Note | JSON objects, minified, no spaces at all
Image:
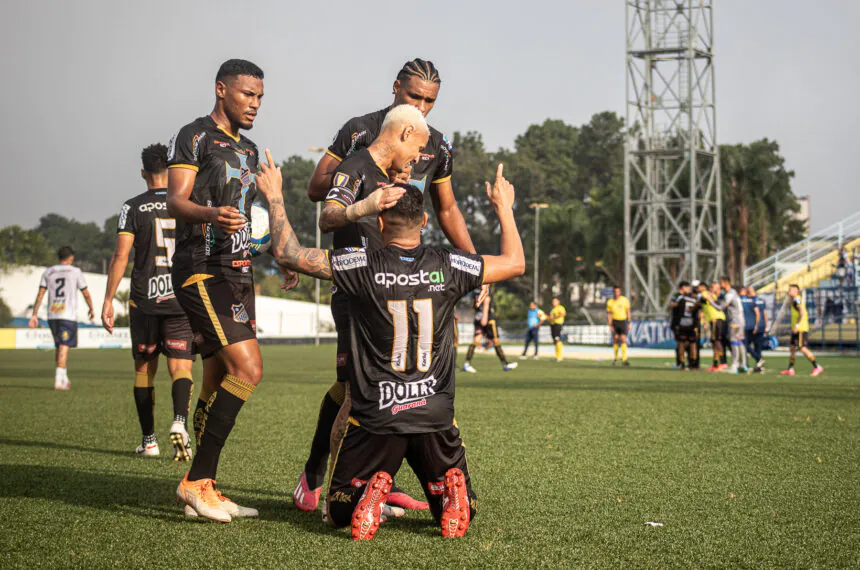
{"x":688,"y":311}
{"x":145,"y":217}
{"x":402,"y":305}
{"x":354,"y":179}
{"x":226,"y":168}
{"x":434,"y":165}
{"x":678,"y":310}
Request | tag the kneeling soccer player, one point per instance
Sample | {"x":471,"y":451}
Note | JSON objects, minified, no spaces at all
{"x":402,"y":298}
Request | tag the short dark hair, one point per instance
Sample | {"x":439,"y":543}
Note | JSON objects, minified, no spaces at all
{"x":154,"y":158}
{"x":420,"y":68}
{"x":616,"y":287}
{"x":236,"y":67}
{"x":726,"y":279}
{"x":795,"y":285}
{"x":409,"y":210}
{"x":683,"y":284}
{"x":65,"y":252}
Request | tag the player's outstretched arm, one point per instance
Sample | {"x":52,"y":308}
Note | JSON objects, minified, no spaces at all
{"x":180,"y":182}
{"x":116,"y":269}
{"x":286,"y":248}
{"x":334,"y":215}
{"x":511,"y":262}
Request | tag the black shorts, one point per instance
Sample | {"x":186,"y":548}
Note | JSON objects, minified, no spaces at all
{"x":361,"y":454}
{"x":65,"y":332}
{"x":342,"y":320}
{"x":170,"y":335}
{"x":221,"y":312}
{"x":718,"y":331}
{"x":799,"y":339}
{"x":555,"y":331}
{"x":687,"y":334}
{"x":491,"y":332}
{"x":619,"y":327}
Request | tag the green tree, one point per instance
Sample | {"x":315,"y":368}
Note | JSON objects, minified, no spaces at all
{"x":23,"y":247}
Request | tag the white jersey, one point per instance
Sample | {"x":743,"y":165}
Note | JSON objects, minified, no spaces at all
{"x":735,"y":309}
{"x":63,"y":283}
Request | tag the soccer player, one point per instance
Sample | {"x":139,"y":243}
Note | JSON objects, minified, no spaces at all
{"x":758,"y":335}
{"x":687,"y":328}
{"x":403,"y":298}
{"x":417,"y":85}
{"x":618,"y":313}
{"x":556,"y":322}
{"x":210,"y":191}
{"x":799,"y":332}
{"x":62,"y":282}
{"x":675,"y":313}
{"x":717,"y":319}
{"x":157,"y":322}
{"x":751,"y":319}
{"x":535,"y":318}
{"x":485,"y":327}
{"x":735,"y":314}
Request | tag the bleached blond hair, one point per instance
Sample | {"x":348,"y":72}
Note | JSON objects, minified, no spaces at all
{"x":403,"y":115}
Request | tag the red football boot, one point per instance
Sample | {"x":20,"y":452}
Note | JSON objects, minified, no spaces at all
{"x":368,"y":512}
{"x":397,"y":498}
{"x":455,"y":505}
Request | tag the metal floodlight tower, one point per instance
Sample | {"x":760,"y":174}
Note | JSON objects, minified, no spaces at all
{"x":672,"y":203}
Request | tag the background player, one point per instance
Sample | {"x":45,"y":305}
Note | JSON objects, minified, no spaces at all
{"x":556,"y":323}
{"x":687,"y":329}
{"x":417,"y":85}
{"x":618,"y":312}
{"x":735,"y":316}
{"x":403,"y":382}
{"x":535,"y":318}
{"x":157,"y":322}
{"x":212,"y":169}
{"x":62,"y":281}
{"x":717,"y":319}
{"x":799,"y":332}
{"x":485,"y":327}
{"x":757,"y":339}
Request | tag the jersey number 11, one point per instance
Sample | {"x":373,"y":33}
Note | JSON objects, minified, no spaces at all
{"x":400,"y":319}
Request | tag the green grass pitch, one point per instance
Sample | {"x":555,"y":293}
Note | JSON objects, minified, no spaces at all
{"x":569,"y":461}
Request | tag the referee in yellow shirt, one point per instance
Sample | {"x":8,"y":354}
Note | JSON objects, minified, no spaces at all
{"x":556,"y":321}
{"x":618,"y":313}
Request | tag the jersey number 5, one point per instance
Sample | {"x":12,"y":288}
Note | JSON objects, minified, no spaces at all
{"x":399,"y":317}
{"x":168,"y":243}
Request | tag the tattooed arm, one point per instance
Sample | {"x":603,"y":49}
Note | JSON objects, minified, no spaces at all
{"x":286,"y":248}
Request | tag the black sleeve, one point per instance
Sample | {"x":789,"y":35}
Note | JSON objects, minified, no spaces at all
{"x":348,"y":266}
{"x":445,"y":167}
{"x":341,"y":146}
{"x":466,"y":270}
{"x":127,"y":222}
{"x":345,"y":185}
{"x":185,"y":148}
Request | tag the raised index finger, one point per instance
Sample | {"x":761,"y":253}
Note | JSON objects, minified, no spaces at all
{"x":499,"y":171}
{"x":270,"y":159}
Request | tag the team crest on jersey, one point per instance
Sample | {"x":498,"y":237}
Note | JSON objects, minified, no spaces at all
{"x":240,"y":315}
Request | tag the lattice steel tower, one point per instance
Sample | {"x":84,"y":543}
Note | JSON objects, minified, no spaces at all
{"x":672,"y":205}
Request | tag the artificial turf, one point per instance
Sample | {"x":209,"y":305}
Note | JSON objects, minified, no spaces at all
{"x":569,"y":461}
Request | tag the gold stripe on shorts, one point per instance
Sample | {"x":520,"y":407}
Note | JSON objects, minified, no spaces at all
{"x":204,"y":295}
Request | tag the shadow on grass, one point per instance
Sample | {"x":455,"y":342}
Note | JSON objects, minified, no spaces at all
{"x":63,"y":446}
{"x":146,"y":497}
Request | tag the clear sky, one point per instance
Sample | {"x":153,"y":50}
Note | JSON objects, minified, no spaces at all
{"x":87,"y":84}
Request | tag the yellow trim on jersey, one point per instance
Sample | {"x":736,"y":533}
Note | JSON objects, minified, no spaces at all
{"x":333,"y":155}
{"x":187,"y":166}
{"x":204,"y":295}
{"x":353,"y":421}
{"x":132,"y":303}
{"x":441,"y":180}
{"x":195,"y":278}
{"x":228,"y":133}
{"x":125,"y":234}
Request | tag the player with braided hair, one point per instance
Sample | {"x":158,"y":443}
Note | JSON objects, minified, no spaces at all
{"x":417,"y":84}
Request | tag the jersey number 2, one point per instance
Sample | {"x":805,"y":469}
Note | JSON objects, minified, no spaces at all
{"x":424,"y":309}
